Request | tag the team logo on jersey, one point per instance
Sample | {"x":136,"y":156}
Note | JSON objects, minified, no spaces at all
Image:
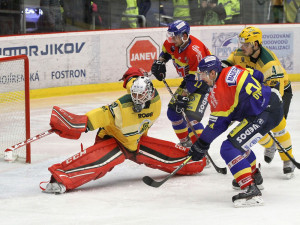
{"x":144,"y":126}
{"x":232,"y":76}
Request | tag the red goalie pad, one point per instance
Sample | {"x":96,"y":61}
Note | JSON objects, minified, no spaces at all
{"x":89,"y":164}
{"x":166,"y":156}
{"x":67,"y":125}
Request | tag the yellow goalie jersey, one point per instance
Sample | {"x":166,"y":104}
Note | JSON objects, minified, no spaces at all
{"x":267,"y":63}
{"x":118,"y":120}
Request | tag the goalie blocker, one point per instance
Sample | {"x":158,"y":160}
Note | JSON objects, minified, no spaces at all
{"x":94,"y":162}
{"x":66,"y":124}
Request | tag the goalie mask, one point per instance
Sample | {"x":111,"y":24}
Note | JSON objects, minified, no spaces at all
{"x":142,"y":91}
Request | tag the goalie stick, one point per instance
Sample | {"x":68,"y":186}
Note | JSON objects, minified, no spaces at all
{"x":8,"y":153}
{"x":151,"y":182}
{"x":218,"y":169}
{"x":284,"y":151}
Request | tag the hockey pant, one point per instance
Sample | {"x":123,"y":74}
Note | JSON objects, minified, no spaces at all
{"x":94,"y":162}
{"x":194,"y":112}
{"x":236,"y":150}
{"x":280,"y":133}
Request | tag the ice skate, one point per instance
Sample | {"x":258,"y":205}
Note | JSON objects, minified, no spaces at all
{"x":250,"y":197}
{"x":258,"y":180}
{"x":187,"y":143}
{"x":269,"y":153}
{"x":288,"y":169}
{"x":55,"y":188}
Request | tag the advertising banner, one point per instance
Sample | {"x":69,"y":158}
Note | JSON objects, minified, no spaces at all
{"x":93,"y":57}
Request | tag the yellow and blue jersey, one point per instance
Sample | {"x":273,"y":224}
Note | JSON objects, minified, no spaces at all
{"x":237,"y":94}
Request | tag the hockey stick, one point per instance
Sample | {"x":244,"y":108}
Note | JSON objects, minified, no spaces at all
{"x":151,"y":182}
{"x":8,"y":152}
{"x":218,"y":169}
{"x":284,"y":151}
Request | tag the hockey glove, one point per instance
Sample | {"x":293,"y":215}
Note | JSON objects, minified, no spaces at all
{"x":67,"y":125}
{"x":198,"y":150}
{"x":203,"y":88}
{"x":132,"y":72}
{"x":158,"y":69}
{"x":181,"y":103}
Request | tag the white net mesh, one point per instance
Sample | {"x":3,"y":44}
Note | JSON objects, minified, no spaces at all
{"x":12,"y":106}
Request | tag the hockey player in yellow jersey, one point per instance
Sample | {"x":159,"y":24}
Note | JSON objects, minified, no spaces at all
{"x":122,"y":134}
{"x":251,"y":54}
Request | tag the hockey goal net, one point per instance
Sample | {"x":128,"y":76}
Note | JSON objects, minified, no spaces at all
{"x":14,"y":106}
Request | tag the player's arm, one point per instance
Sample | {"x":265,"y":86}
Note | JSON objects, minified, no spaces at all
{"x":216,"y":126}
{"x":274,"y":74}
{"x":100,"y":117}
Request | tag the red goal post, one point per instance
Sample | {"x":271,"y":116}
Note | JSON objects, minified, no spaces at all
{"x":15,"y":105}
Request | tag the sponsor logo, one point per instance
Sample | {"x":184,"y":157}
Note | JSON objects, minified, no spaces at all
{"x":203,"y":104}
{"x":181,"y":148}
{"x":224,"y":43}
{"x":252,"y":141}
{"x":48,"y":49}
{"x":64,"y":74}
{"x":235,"y":161}
{"x":76,"y":156}
{"x":232,"y":75}
{"x":249,"y":131}
{"x":141,"y":53}
{"x":144,"y":115}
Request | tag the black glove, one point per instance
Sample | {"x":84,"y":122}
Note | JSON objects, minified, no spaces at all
{"x":158,"y":69}
{"x":203,"y":89}
{"x":181,"y":103}
{"x":198,"y":150}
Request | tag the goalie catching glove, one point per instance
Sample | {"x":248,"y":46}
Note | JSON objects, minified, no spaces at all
{"x":67,"y":125}
{"x":198,"y":150}
{"x":158,"y":69}
{"x":132,"y":72}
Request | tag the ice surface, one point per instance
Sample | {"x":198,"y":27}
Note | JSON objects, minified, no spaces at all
{"x":121,"y":197}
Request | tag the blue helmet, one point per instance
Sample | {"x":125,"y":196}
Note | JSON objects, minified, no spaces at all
{"x":178,"y":27}
{"x":210,"y":63}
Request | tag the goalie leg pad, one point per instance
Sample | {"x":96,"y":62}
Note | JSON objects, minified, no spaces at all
{"x":67,"y":125}
{"x":89,"y":164}
{"x":166,"y":156}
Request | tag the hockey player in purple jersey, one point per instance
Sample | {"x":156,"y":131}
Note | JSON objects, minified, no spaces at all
{"x":237,"y":94}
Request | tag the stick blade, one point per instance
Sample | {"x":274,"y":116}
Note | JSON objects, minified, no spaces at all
{"x":150,"y":182}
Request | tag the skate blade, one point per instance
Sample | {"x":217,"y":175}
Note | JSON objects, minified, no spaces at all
{"x":255,"y":201}
{"x":289,"y":176}
{"x":208,"y":163}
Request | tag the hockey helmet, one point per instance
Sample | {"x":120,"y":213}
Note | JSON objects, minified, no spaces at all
{"x":250,"y":35}
{"x":210,"y":63}
{"x":142,"y":90}
{"x":178,"y":28}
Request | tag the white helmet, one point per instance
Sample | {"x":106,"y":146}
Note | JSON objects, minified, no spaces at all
{"x":142,"y":90}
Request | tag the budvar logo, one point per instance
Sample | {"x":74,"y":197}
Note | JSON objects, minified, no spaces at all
{"x":141,"y":53}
